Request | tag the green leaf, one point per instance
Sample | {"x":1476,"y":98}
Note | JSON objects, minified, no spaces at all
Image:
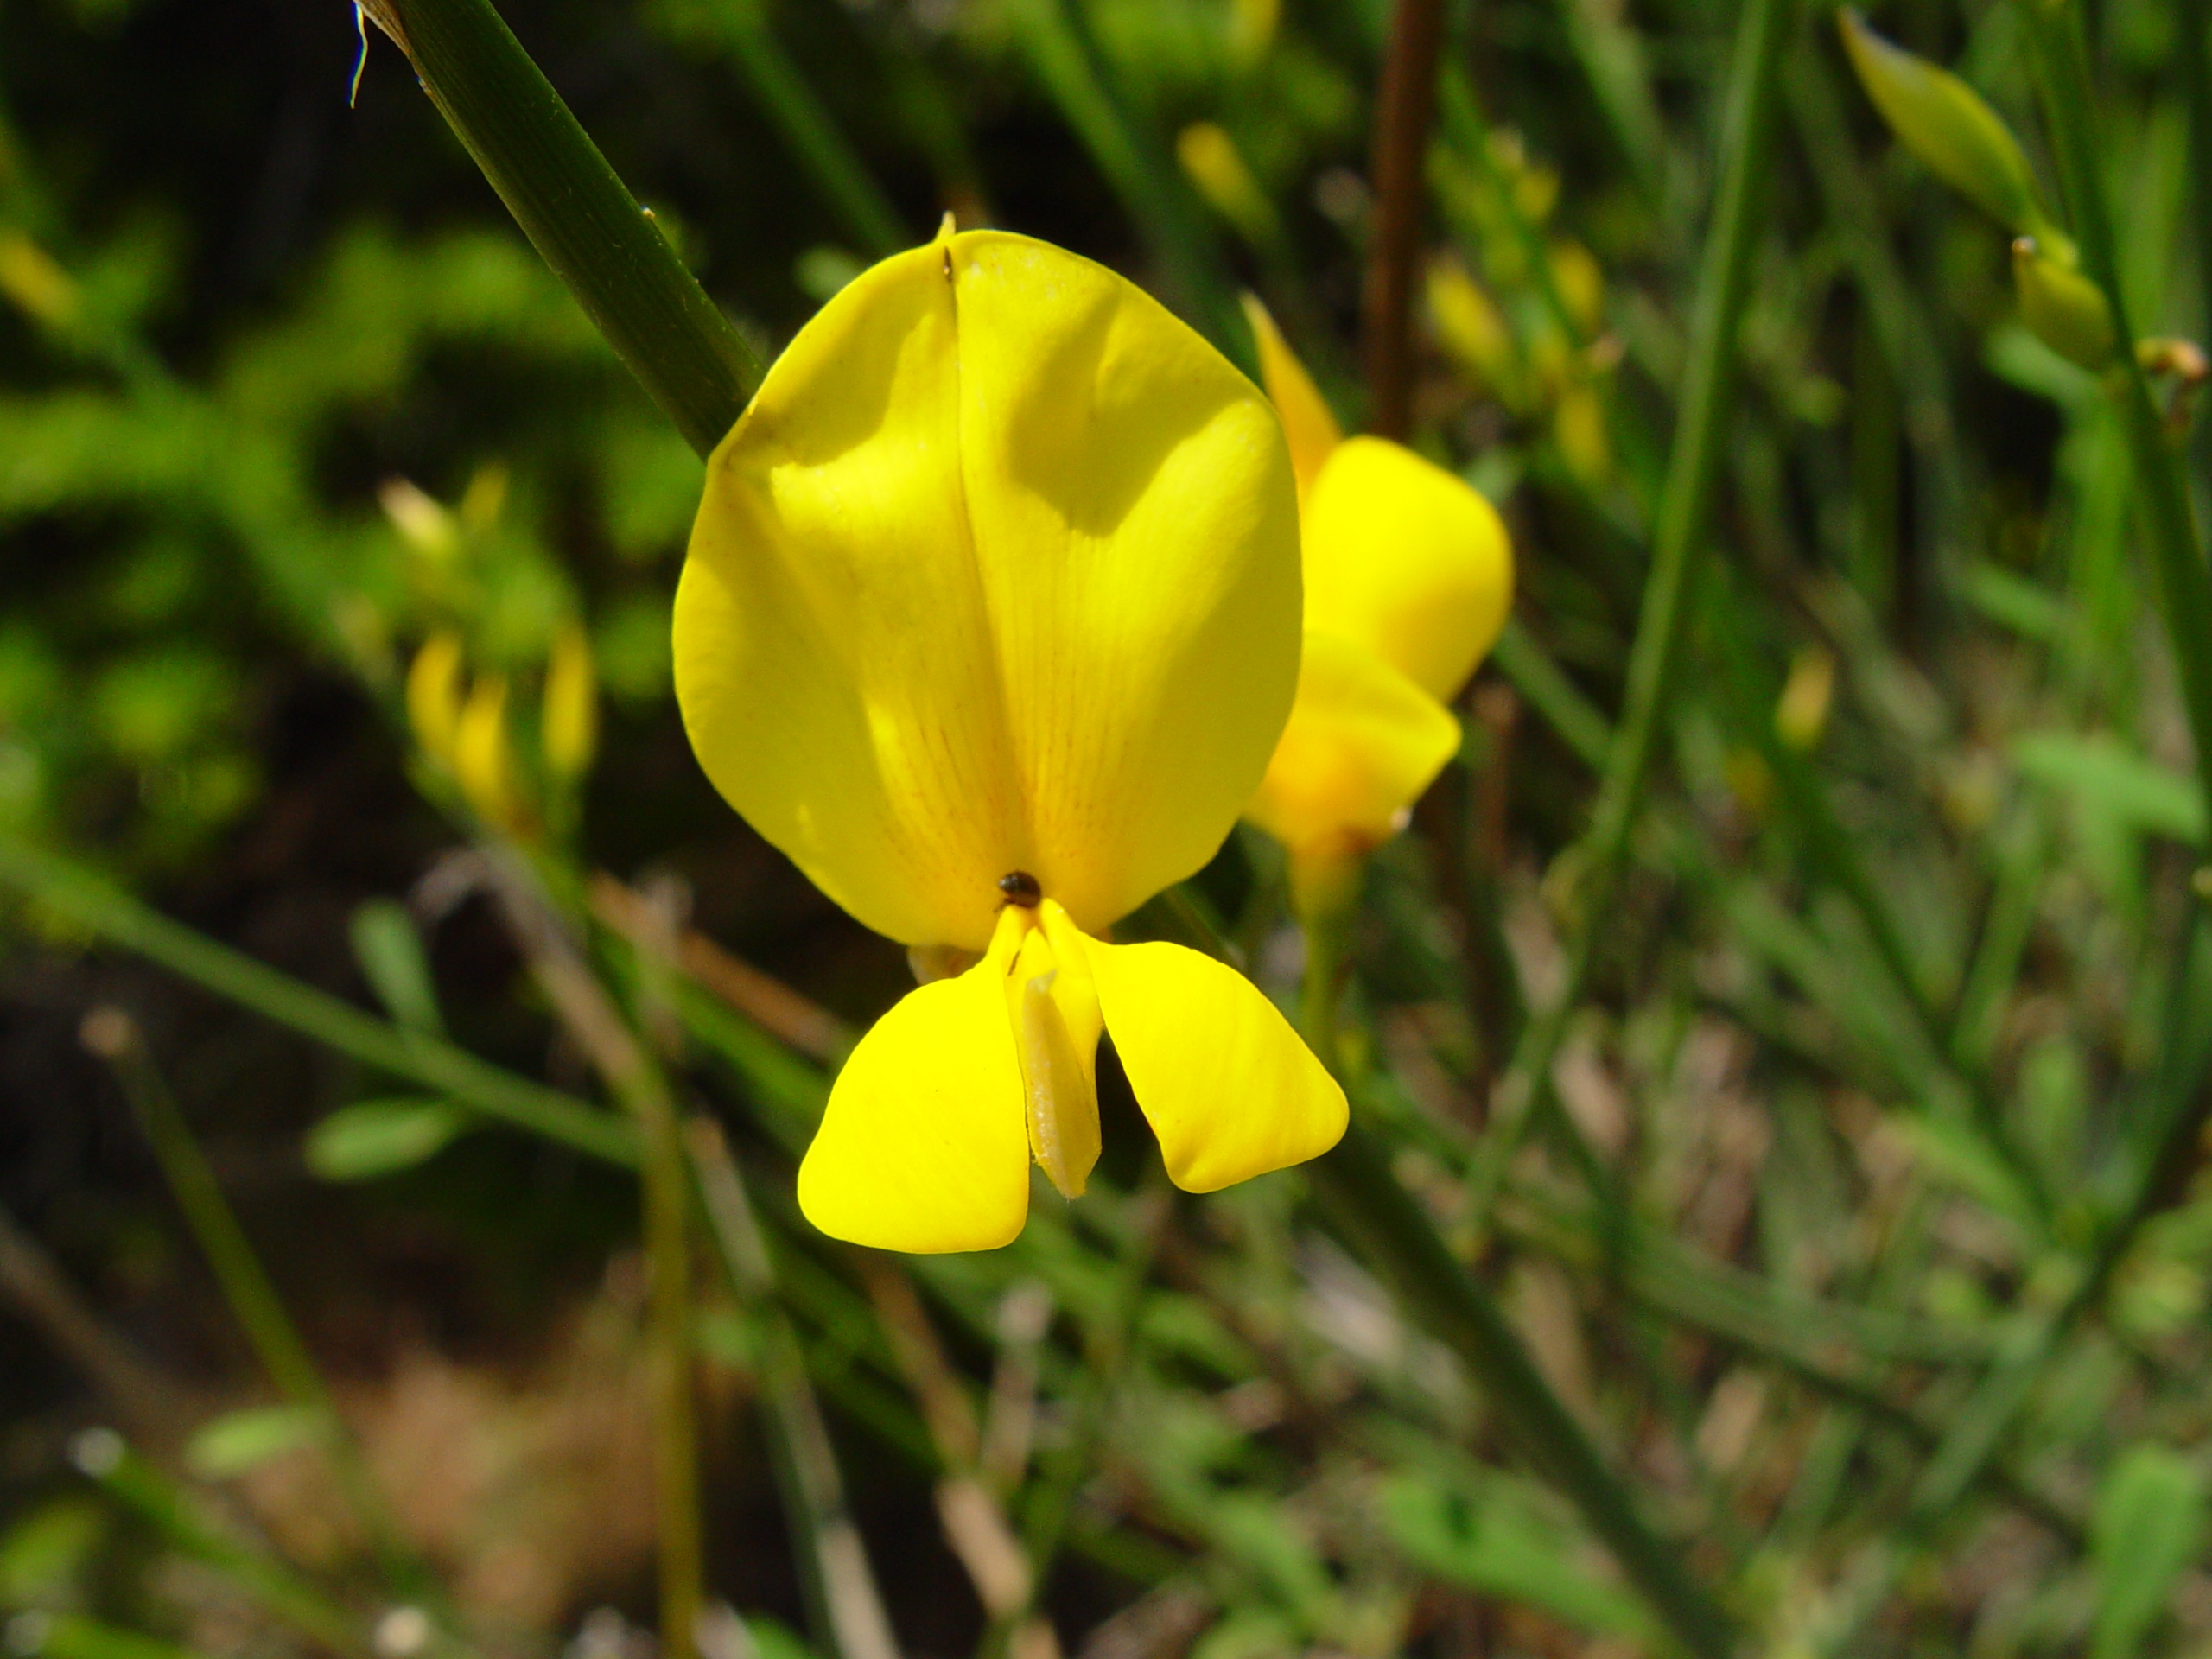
{"x":382,"y":1137}
{"x":390,"y":950}
{"x":2147,"y":1530}
{"x":1488,"y":1539}
{"x":238,"y":1441}
{"x":2107,"y":777}
{"x":1947,"y":125}
{"x":47,"y":1551}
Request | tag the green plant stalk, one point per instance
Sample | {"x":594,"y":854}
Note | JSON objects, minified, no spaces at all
{"x":136,"y":1485}
{"x":246,"y":1285}
{"x":814,"y":136}
{"x":593,"y":1018}
{"x":2060,"y":56}
{"x":845,"y":1607}
{"x":1685,"y":510}
{"x":576,"y":213}
{"x":2194,"y":54}
{"x":91,"y":903}
{"x":1397,"y":1237}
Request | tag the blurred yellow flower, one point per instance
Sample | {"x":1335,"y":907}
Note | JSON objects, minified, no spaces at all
{"x":1409,"y":579}
{"x":990,"y":622}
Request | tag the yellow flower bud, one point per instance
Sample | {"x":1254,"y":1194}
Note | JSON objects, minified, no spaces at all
{"x":1209,"y":155}
{"x":1252,"y":29}
{"x":434,"y":695}
{"x":1800,"y":713}
{"x":30,"y":278}
{"x":1945,"y":122}
{"x":1469,"y":326}
{"x":423,"y":523}
{"x":2062,"y":308}
{"x":483,"y":756}
{"x":570,"y":725}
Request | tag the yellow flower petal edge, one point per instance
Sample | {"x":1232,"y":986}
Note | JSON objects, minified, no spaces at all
{"x":1227,"y":1085}
{"x":1406,"y":559}
{"x":922,"y":1148}
{"x":1309,"y":426}
{"x":1363,"y":743}
{"x":997,"y":573}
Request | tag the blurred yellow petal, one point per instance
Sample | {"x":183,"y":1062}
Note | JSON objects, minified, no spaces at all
{"x":1308,"y":424}
{"x":922,"y":1148}
{"x":1230,"y":1089}
{"x":997,"y":573}
{"x":1407,"y":559}
{"x":568,"y":723}
{"x":1363,"y":743}
{"x":483,"y":755}
{"x":433,"y":694}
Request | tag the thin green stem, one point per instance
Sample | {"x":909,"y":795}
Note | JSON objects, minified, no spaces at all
{"x":2060,"y":55}
{"x":111,"y":1034}
{"x":91,"y":903}
{"x":813,"y":135}
{"x":629,"y":1070}
{"x":102,"y":1457}
{"x":576,"y":213}
{"x":845,"y":1607}
{"x":1685,"y":510}
{"x":1397,"y":1237}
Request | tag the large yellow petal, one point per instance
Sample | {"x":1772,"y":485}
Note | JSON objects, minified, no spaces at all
{"x":998,"y":573}
{"x":924,"y":1147}
{"x":1309,"y":425}
{"x":1363,"y":743}
{"x":1227,"y":1085}
{"x":1407,"y":559}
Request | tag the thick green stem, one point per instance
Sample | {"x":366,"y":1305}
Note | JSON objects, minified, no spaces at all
{"x":576,"y":213}
{"x":2061,"y":59}
{"x":116,"y":917}
{"x":1398,"y":1238}
{"x":1685,"y":510}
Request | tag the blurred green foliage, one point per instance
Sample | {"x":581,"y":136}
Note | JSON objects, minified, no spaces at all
{"x":1891,"y":1291}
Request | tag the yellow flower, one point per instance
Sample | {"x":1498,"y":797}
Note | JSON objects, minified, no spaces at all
{"x":990,"y":622}
{"x":1409,"y":579}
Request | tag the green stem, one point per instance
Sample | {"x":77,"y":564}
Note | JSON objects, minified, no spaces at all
{"x":1397,"y":1237}
{"x":110,"y":1033}
{"x":101,"y":1456}
{"x":2195,"y":58}
{"x":576,"y":213}
{"x":2061,"y":59}
{"x":116,"y":917}
{"x":629,"y":1070}
{"x":1685,"y":510}
{"x":814,"y":136}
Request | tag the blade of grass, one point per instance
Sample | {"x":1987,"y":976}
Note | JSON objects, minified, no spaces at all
{"x":576,"y":213}
{"x":93,"y":904}
{"x":1685,"y":509}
